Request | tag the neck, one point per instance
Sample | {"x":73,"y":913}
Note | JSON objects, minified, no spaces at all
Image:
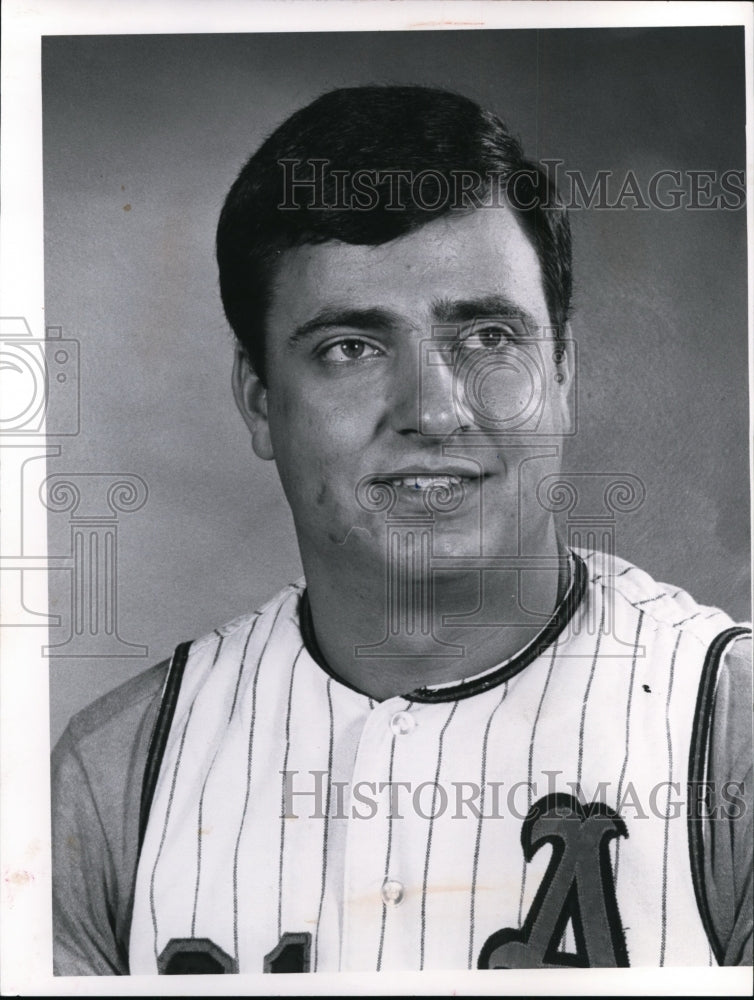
{"x":433,"y":629}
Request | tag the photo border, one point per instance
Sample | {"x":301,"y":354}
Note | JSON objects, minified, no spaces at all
{"x":25,"y":943}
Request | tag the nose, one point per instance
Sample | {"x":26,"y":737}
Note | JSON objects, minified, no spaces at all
{"x":426,"y":395}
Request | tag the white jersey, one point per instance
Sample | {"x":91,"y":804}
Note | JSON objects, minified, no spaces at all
{"x":532,"y":816}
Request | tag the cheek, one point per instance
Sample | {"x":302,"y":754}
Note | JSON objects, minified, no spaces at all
{"x":310,"y":461}
{"x":318,"y":432}
{"x":294,"y":429}
{"x":320,"y":446}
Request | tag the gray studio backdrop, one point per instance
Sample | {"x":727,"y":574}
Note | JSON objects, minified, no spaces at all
{"x":143,"y":135}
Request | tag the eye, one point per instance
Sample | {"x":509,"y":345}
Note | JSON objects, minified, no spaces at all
{"x":350,"y":349}
{"x":489,"y":336}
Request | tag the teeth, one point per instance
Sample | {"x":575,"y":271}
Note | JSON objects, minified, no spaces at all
{"x":426,"y":482}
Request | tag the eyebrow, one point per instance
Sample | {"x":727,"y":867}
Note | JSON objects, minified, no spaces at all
{"x":444,"y":311}
{"x":375,"y":319}
{"x":487,"y":307}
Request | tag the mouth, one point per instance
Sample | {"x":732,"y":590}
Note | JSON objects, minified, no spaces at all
{"x":421,"y":481}
{"x":424,"y":480}
{"x":433,"y":491}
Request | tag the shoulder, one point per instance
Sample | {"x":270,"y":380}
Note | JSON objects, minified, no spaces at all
{"x":97,"y":769}
{"x":280,"y":612}
{"x":731,"y":744}
{"x":725,"y":883}
{"x":664,"y":605}
{"x":126,"y":701}
{"x":102,"y":752}
{"x":736,"y":663}
{"x":121,"y":715}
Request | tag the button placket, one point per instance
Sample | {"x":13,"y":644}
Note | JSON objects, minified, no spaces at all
{"x":373,"y":870}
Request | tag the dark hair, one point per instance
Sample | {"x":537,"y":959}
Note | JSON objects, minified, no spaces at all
{"x":332,"y":171}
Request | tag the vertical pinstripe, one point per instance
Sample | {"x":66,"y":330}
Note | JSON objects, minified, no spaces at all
{"x":530,"y":772}
{"x":624,"y":766}
{"x":165,"y":829}
{"x":664,"y":910}
{"x":199,"y":842}
{"x":326,"y":824}
{"x":387,"y":857}
{"x":200,"y":812}
{"x":282,"y":791}
{"x":241,"y":666}
{"x":429,"y":836}
{"x":588,"y":689}
{"x":249,"y":755}
{"x":477,"y":842}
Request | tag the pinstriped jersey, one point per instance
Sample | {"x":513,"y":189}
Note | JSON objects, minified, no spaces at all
{"x":532,"y":816}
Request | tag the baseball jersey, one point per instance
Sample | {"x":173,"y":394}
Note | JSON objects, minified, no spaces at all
{"x":548,"y":812}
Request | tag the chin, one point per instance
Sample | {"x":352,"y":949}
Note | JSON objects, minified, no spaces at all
{"x":449,"y":545}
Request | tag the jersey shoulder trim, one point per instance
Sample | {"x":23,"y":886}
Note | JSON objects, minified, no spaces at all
{"x":697,"y":772}
{"x":160,"y":733}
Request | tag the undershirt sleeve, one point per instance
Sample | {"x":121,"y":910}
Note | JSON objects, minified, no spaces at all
{"x":97,"y":771}
{"x":83,"y":874}
{"x":728,"y":836}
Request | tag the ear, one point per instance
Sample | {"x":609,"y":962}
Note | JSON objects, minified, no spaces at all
{"x":251,"y":399}
{"x":565,"y":376}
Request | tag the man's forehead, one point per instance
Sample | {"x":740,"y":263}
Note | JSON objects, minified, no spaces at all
{"x":479,"y":262}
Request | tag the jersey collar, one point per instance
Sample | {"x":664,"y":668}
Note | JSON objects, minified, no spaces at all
{"x":491,"y":678}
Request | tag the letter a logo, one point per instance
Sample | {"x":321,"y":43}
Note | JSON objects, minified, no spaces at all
{"x":578,"y":887}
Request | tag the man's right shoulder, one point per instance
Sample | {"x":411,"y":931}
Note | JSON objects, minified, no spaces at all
{"x":132,"y":707}
{"x":97,"y":772}
{"x":122,"y":708}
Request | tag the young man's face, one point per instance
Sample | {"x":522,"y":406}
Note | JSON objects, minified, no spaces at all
{"x":425,"y":363}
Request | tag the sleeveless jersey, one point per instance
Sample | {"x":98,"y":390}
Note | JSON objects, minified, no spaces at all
{"x":535,"y":815}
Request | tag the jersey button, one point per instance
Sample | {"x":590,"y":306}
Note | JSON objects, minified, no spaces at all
{"x":392,"y":892}
{"x":402,"y":723}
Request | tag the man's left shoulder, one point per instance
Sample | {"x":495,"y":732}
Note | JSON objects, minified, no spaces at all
{"x":665,"y":605}
{"x":732,"y":698}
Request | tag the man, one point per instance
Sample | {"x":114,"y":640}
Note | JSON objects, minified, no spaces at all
{"x":458,"y":743}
